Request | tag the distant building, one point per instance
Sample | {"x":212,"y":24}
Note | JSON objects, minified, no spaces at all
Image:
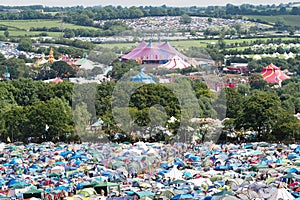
{"x":236,"y":68}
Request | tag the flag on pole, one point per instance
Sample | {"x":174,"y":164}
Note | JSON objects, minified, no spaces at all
{"x":47,"y":128}
{"x":8,"y":139}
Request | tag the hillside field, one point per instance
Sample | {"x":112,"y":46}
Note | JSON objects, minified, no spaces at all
{"x":22,"y":27}
{"x":289,"y":20}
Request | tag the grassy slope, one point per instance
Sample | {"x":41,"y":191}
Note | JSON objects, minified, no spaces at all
{"x":21,"y":27}
{"x":26,"y":24}
{"x":290,"y":20}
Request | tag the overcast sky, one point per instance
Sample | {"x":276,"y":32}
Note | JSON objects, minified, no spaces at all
{"x":136,"y":2}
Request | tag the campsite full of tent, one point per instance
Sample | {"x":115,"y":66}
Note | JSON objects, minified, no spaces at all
{"x":150,"y":171}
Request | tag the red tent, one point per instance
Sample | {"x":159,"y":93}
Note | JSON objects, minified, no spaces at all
{"x":273,"y":74}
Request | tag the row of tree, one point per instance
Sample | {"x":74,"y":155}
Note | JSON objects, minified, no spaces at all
{"x":264,"y":109}
{"x":86,"y":16}
{"x":28,"y":106}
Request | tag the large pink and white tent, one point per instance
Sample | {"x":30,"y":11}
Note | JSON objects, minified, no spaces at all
{"x":175,"y":63}
{"x":128,"y":56}
{"x":159,"y":52}
{"x":166,"y":47}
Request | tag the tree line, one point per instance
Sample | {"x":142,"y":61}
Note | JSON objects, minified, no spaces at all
{"x":85,"y":16}
{"x":28,"y":106}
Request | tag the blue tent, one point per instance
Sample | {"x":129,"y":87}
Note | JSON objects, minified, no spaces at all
{"x":81,"y":157}
{"x":142,"y":78}
{"x":65,"y":153}
{"x":183,"y":196}
{"x":292,"y":156}
{"x":34,"y":168}
{"x":291,"y":170}
{"x":297,"y":150}
{"x":179,"y":162}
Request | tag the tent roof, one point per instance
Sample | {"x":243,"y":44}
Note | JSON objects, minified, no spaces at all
{"x":106,"y":184}
{"x":271,"y":67}
{"x":88,"y":192}
{"x":175,"y":63}
{"x":80,"y":61}
{"x":33,"y":191}
{"x":142,"y":45}
{"x":273,"y":74}
{"x":145,"y":194}
{"x":88,"y":65}
{"x":142,"y":77}
{"x":152,"y":52}
{"x":281,"y":193}
{"x":168,"y":48}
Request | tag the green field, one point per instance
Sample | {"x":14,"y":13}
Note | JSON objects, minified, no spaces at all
{"x":22,"y":27}
{"x":289,"y":20}
{"x":26,"y":24}
{"x":18,"y":33}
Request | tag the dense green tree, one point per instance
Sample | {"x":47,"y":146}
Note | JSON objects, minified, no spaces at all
{"x":63,"y":69}
{"x":25,"y":92}
{"x":82,"y":119}
{"x":257,"y":82}
{"x":16,"y":120}
{"x":260,"y":113}
{"x":244,"y":89}
{"x":286,"y":127}
{"x":234,"y":102}
{"x":25,"y":44}
{"x":16,"y":67}
{"x":6,"y":95}
{"x":103,"y":56}
{"x":85,"y":93}
{"x":120,"y":68}
{"x":64,"y":90}
{"x":54,"y":113}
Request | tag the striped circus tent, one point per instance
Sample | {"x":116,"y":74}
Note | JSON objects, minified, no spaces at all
{"x":141,"y":46}
{"x":273,"y":74}
{"x":149,"y":53}
{"x":175,"y":63}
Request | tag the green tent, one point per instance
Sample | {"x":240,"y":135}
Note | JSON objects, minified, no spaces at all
{"x":107,"y":187}
{"x":33,"y":193}
{"x":55,"y":175}
{"x":258,"y":167}
{"x":87,"y":192}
